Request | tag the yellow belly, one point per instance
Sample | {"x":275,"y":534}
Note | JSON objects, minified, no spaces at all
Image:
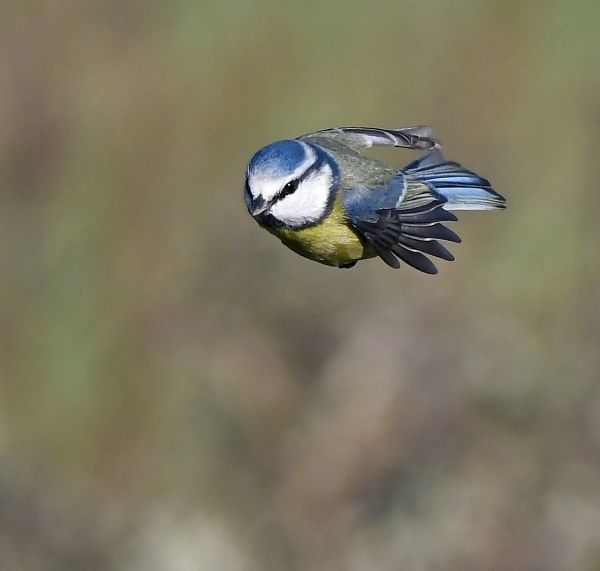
{"x":332,"y":241}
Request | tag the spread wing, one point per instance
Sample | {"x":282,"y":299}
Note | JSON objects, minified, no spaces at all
{"x":359,"y":138}
{"x":403,"y":221}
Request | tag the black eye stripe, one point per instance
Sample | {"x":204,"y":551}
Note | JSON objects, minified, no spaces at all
{"x":293,"y":185}
{"x":289,"y":188}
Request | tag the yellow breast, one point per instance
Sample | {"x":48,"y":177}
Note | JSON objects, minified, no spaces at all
{"x":332,"y":241}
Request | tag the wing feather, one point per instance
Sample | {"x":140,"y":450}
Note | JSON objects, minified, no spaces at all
{"x":359,"y":138}
{"x":409,"y":230}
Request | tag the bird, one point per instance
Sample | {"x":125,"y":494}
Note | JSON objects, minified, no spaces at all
{"x":327,"y":201}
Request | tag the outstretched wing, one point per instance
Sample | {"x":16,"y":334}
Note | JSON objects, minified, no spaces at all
{"x":359,"y":138}
{"x":403,"y":222}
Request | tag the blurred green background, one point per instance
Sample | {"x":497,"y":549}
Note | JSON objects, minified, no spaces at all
{"x":180,"y":392}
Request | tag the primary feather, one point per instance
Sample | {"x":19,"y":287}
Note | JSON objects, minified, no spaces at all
{"x":365,"y":137}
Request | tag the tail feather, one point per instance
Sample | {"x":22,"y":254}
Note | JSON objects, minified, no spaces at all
{"x":462,"y":188}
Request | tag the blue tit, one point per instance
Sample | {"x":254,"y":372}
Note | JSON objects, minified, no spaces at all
{"x":328,"y":202}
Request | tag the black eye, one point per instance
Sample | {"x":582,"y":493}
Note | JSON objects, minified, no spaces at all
{"x":289,"y":188}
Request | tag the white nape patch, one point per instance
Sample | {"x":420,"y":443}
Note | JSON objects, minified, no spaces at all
{"x":309,"y":203}
{"x":269,"y":182}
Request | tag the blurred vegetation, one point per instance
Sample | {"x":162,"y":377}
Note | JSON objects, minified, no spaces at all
{"x":180,"y":392}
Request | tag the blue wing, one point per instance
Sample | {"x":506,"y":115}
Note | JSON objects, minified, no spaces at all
{"x":463,"y":189}
{"x":402,"y":220}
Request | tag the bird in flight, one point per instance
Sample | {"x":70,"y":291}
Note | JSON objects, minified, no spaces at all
{"x":327,"y":201}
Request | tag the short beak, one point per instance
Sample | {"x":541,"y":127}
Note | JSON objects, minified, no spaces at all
{"x":259,"y":206}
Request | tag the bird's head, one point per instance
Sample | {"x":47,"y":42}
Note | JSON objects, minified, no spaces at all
{"x":291,"y":184}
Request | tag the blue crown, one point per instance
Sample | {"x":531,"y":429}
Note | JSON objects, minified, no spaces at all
{"x":281,"y":158}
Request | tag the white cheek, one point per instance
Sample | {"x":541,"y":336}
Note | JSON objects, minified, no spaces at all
{"x":309,"y":203}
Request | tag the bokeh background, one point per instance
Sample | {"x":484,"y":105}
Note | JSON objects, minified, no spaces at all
{"x":180,"y":392}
